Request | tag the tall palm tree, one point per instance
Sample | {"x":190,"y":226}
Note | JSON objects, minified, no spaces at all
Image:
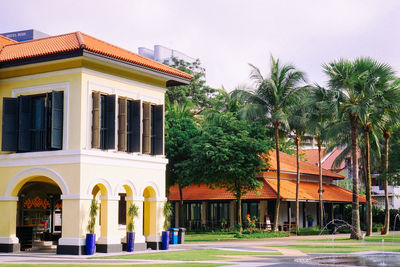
{"x":298,"y":123}
{"x":323,"y":109}
{"x":270,"y":101}
{"x":342,"y":79}
{"x":389,"y":114}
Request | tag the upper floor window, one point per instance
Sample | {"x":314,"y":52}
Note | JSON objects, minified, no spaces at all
{"x":33,"y":122}
{"x":153,"y":129}
{"x":128,"y":125}
{"x":103,"y":123}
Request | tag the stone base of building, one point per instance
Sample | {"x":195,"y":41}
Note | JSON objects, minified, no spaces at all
{"x":10,"y":248}
{"x":71,"y":250}
{"x":107,"y":248}
{"x":138,"y":247}
{"x":154,"y":245}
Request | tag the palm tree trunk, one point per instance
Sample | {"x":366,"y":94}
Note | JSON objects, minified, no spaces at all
{"x":298,"y":139}
{"x":278,"y":176}
{"x":321,"y":202}
{"x":368,"y":180}
{"x":239,"y":211}
{"x":386,"y":166}
{"x":181,"y":219}
{"x":355,"y":215}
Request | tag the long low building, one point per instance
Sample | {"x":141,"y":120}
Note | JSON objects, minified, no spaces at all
{"x":207,"y":208}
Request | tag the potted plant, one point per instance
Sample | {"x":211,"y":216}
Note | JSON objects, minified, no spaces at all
{"x":91,"y":236}
{"x":133,"y":212}
{"x":310,"y":220}
{"x":167,"y":211}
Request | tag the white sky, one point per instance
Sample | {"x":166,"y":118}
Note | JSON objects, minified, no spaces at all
{"x":226,"y":35}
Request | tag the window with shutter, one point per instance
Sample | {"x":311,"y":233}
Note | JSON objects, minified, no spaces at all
{"x":146,"y":128}
{"x":110,"y":121}
{"x":57,"y":104}
{"x":157,"y":129}
{"x":33,"y":123}
{"x":133,"y":134}
{"x":122,"y":124}
{"x":96,"y":120}
{"x":9,"y":140}
{"x":24,"y":123}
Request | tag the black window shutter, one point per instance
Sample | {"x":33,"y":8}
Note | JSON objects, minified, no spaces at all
{"x":110,"y":122}
{"x":135,"y":122}
{"x":57,"y":98}
{"x":9,"y":140}
{"x":158,"y":129}
{"x":25,"y":123}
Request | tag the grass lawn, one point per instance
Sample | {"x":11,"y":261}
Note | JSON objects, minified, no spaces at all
{"x":108,"y":265}
{"x":201,"y":237}
{"x":375,"y":238}
{"x":342,"y":248}
{"x":191,"y":255}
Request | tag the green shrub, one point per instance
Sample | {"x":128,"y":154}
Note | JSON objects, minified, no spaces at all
{"x":309,"y":231}
{"x":260,"y":234}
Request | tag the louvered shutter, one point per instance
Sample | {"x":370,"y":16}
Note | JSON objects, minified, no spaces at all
{"x":122,"y":124}
{"x":110,"y":122}
{"x":9,"y":140}
{"x":158,"y":125}
{"x":135,"y":121}
{"x":146,"y":128}
{"x":25,"y":123}
{"x":96,"y":120}
{"x":57,"y":99}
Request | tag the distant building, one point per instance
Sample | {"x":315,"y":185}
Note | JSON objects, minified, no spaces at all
{"x":165,"y":55}
{"x":25,"y":35}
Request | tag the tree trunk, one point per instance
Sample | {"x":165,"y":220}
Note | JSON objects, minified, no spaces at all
{"x":321,"y":202}
{"x":386,"y":166}
{"x":298,"y":139}
{"x":367,"y":129}
{"x":239,"y":211}
{"x":278,"y":176}
{"x":181,"y":218}
{"x":355,"y":215}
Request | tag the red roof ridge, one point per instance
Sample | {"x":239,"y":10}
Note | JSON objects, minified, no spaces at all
{"x":8,"y":39}
{"x":81,"y":41}
{"x":40,"y":39}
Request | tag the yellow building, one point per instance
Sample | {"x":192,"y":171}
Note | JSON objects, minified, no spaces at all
{"x":81,"y":119}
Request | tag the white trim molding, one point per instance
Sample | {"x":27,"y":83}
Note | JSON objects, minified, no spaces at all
{"x":152,"y":185}
{"x":132,"y":198}
{"x":77,"y":197}
{"x":101,"y":181}
{"x":53,"y":175}
{"x":72,"y":241}
{"x":9,"y":240}
{"x":8,"y":198}
{"x":48,"y":88}
{"x":121,"y":187}
{"x":157,"y":199}
{"x":109,"y":197}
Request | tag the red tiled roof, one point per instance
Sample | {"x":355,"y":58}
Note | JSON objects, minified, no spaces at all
{"x":330,"y":158}
{"x":5,"y":41}
{"x":288,"y":164}
{"x":307,"y":191}
{"x":203,"y":192}
{"x":77,"y":41}
{"x":311,"y":155}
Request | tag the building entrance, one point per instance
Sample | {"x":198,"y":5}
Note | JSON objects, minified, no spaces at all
{"x":39,"y":216}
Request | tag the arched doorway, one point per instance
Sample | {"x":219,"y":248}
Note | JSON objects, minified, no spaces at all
{"x":39,"y":215}
{"x":150,"y":216}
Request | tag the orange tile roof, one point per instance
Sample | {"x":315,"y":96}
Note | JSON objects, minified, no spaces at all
{"x":80,"y":41}
{"x":5,"y":41}
{"x":311,"y":155}
{"x":288,"y":164}
{"x":203,"y":192}
{"x":307,"y":191}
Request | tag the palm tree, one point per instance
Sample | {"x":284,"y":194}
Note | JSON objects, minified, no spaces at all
{"x":298,"y":122}
{"x":389,"y":113}
{"x":270,"y":101}
{"x":323,"y":109}
{"x":342,"y":79}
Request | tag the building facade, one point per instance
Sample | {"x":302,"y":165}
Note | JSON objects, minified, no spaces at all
{"x":81,"y":119}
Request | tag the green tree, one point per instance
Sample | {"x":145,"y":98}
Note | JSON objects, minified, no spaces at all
{"x":197,"y":91}
{"x":180,"y":129}
{"x":227,"y":154}
{"x":269,"y":102}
